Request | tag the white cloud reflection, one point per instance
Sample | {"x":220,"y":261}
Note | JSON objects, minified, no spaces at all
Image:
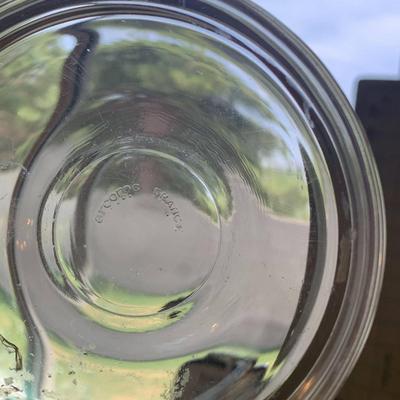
{"x":354,"y":38}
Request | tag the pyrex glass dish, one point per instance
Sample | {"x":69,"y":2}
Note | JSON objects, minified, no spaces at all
{"x":189,"y":209}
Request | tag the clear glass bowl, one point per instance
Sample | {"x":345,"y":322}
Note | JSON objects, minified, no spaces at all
{"x":189,"y":208}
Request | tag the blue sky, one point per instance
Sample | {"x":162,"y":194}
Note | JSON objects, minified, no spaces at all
{"x":354,"y":38}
